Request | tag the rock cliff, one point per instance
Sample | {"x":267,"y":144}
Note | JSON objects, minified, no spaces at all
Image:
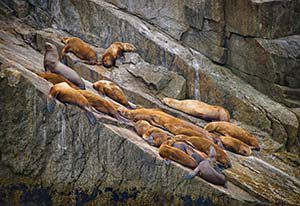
{"x":59,"y":159}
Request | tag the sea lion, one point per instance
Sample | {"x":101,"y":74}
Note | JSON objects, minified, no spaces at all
{"x":55,"y":78}
{"x":158,"y":118}
{"x":203,"y":144}
{"x":235,"y":145}
{"x":101,"y":104}
{"x":67,"y":95}
{"x":115,"y":51}
{"x":199,"y":109}
{"x":153,"y":135}
{"x":182,"y":153}
{"x":113,"y":91}
{"x":206,"y":170}
{"x":80,"y":48}
{"x":52,"y":64}
{"x":234,"y":131}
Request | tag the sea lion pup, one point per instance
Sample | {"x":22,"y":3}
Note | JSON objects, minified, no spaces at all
{"x":235,"y":145}
{"x":67,"y":95}
{"x":207,"y":171}
{"x":158,"y":118}
{"x":52,"y":64}
{"x":153,"y":135}
{"x":80,"y":48}
{"x":113,"y":91}
{"x":234,"y":131}
{"x":182,"y":153}
{"x":115,"y":51}
{"x":203,"y":144}
{"x":101,"y":104}
{"x":199,"y":109}
{"x":55,"y":78}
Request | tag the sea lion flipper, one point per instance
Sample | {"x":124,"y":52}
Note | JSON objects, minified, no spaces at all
{"x":91,"y":117}
{"x":51,"y":102}
{"x":193,"y":173}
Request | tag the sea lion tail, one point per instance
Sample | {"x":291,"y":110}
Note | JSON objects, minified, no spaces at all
{"x":51,"y":102}
{"x":91,"y":117}
{"x":131,"y":105}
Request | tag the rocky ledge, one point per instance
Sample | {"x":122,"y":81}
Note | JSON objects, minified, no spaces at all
{"x":58,"y":158}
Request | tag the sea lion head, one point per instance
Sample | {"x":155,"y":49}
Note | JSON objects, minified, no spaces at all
{"x":245,"y":150}
{"x":50,"y":47}
{"x":211,"y":127}
{"x":224,"y":115}
{"x":51,"y":57}
{"x":141,"y":126}
{"x":108,"y":60}
{"x":168,"y":101}
{"x":128,"y":47}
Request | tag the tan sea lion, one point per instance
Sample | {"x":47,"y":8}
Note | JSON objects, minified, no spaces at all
{"x":67,"y":95}
{"x":199,"y":109}
{"x":153,"y":135}
{"x":181,"y":152}
{"x":100,"y":104}
{"x":206,"y":170}
{"x":113,"y":91}
{"x":235,"y":145}
{"x":234,"y":131}
{"x":55,"y":78}
{"x":203,"y":144}
{"x":115,"y":51}
{"x":80,"y":48}
{"x":52,"y":64}
{"x":163,"y":120}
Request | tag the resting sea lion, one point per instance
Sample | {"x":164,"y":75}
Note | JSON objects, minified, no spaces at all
{"x":207,"y":171}
{"x":204,"y":144}
{"x":67,"y":95}
{"x":232,"y":130}
{"x":181,"y":152}
{"x":113,"y":91}
{"x":161,"y":119}
{"x":52,"y":64}
{"x":199,"y":109}
{"x":101,"y":104}
{"x":235,"y":145}
{"x":153,"y":135}
{"x":115,"y":51}
{"x":80,"y":48}
{"x":55,"y":78}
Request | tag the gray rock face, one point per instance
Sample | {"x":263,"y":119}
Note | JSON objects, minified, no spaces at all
{"x":263,"y":18}
{"x":58,"y":158}
{"x":217,"y":85}
{"x":272,"y":66}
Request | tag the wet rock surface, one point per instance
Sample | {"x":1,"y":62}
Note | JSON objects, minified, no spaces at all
{"x":59,"y":158}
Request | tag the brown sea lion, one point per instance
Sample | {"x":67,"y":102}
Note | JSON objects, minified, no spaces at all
{"x":203,"y":144}
{"x":115,"y":51}
{"x":80,"y":48}
{"x":100,"y":104}
{"x":163,"y":120}
{"x":153,"y":135}
{"x":227,"y":128}
{"x":206,"y":170}
{"x":67,"y":95}
{"x":113,"y":91}
{"x":199,"y":109}
{"x":181,"y":152}
{"x":236,"y":145}
{"x":55,"y":78}
{"x":52,"y":64}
